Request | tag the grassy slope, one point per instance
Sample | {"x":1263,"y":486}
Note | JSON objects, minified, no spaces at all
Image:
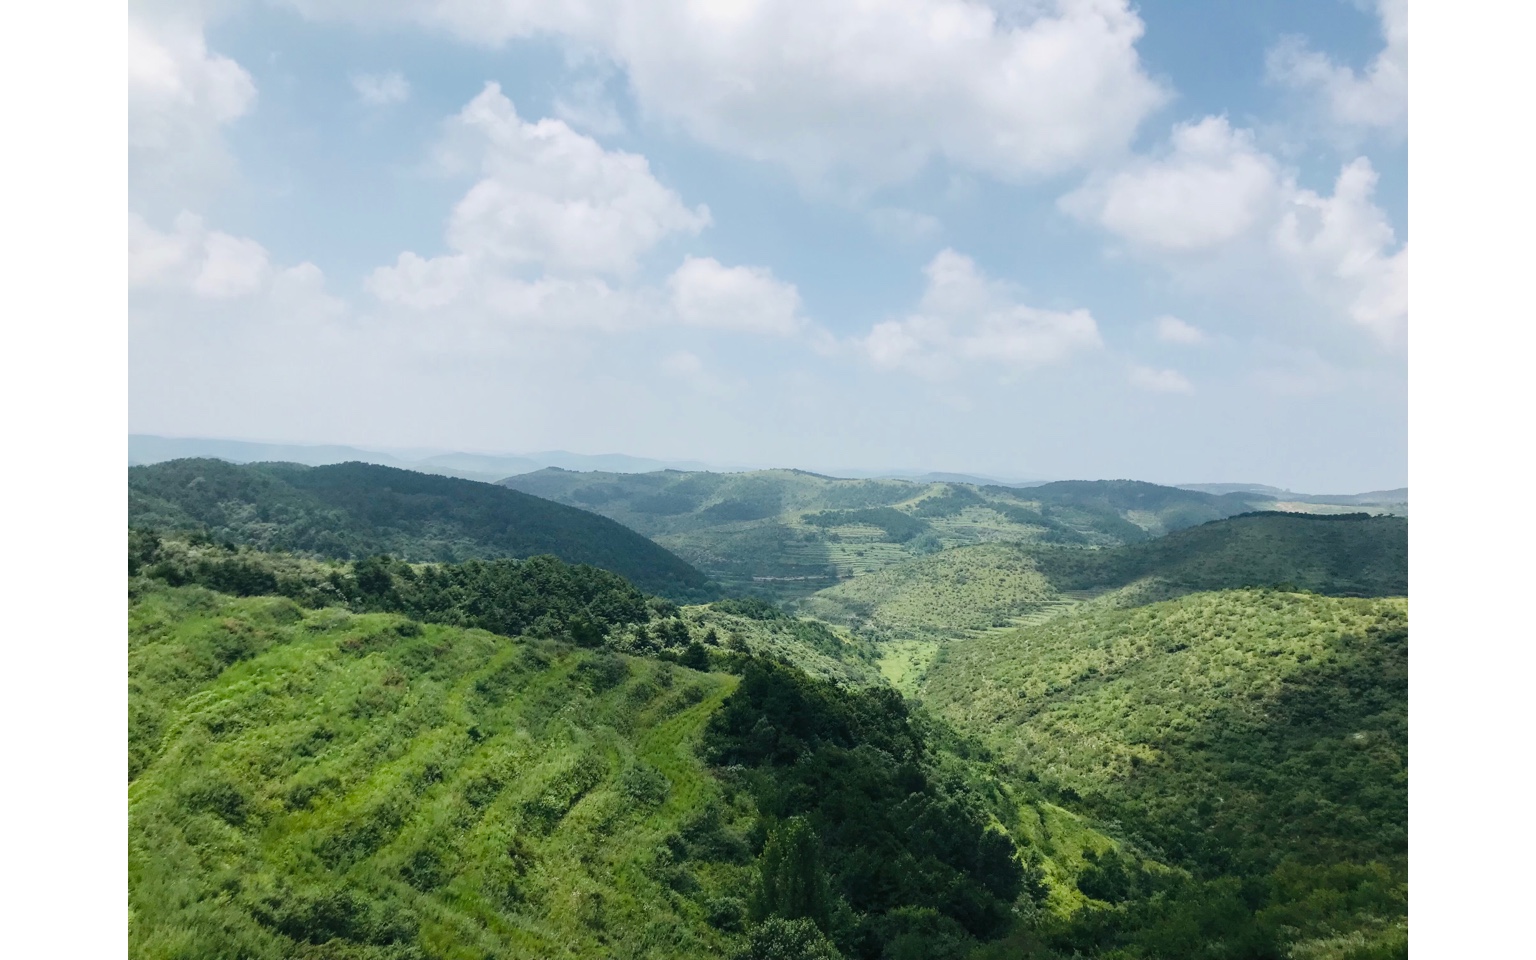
{"x":1212,"y":717}
{"x":967,"y":588}
{"x":407,"y":790}
{"x":354,"y":509}
{"x":790,"y":533}
{"x":319,"y":783}
{"x":1249,"y":734}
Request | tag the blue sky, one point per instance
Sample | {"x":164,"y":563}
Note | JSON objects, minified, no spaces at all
{"x":1042,"y":239}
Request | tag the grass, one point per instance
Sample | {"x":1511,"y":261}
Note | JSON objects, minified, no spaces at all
{"x":946,"y":594}
{"x":903,"y":663}
{"x":408,"y":790}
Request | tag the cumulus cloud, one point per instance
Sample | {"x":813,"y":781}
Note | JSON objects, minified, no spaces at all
{"x":382,"y":89}
{"x":705,"y":293}
{"x":874,"y":89}
{"x":1341,"y":243}
{"x":1213,"y":194}
{"x":551,"y":234}
{"x":967,"y":318}
{"x":553,"y":198}
{"x":180,"y":97}
{"x":1156,"y":380}
{"x":1173,"y":330}
{"x":207,"y":263}
{"x":1376,"y":98}
{"x":189,"y":274}
{"x":1208,"y":186}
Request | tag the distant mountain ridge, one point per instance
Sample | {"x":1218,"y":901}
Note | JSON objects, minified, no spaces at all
{"x":792,"y":532}
{"x":146,"y":449}
{"x":353,"y":510}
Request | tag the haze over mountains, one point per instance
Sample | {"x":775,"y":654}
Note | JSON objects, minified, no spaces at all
{"x":146,"y":449}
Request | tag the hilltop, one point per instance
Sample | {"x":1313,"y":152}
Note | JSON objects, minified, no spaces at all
{"x":790,"y":533}
{"x":352,"y":510}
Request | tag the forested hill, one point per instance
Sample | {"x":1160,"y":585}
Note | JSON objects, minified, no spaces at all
{"x":1342,"y":555}
{"x":352,"y":510}
{"x":794,"y":532}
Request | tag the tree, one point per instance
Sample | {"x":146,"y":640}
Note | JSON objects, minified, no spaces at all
{"x":694,"y":657}
{"x":791,"y":883}
{"x":779,"y":939}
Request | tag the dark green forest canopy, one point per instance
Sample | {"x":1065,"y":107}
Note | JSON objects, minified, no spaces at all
{"x":1343,"y":555}
{"x":354,"y":510}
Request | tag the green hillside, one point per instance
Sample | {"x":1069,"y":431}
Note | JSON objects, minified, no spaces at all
{"x":364,"y":786}
{"x":789,"y":533}
{"x":323,"y":783}
{"x":353,"y":510}
{"x":966,"y":588}
{"x":1254,"y":733}
{"x":987,"y":586}
{"x":1347,"y":555}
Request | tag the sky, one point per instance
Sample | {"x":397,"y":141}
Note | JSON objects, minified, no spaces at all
{"x":1034,"y":239}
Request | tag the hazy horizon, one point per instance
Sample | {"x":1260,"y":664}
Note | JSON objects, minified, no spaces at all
{"x":412,"y":455}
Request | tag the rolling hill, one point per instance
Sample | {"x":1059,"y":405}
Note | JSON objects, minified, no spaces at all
{"x":958,"y":590}
{"x":965,"y":589}
{"x":321,"y":783}
{"x":1252,"y":733}
{"x":353,"y":510}
{"x":789,"y":533}
{"x":1343,"y":555}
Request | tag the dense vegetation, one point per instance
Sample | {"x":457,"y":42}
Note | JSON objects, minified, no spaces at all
{"x":911,"y":857}
{"x":353,"y":510}
{"x":364,"y":786}
{"x":1257,"y":736}
{"x":1148,"y":749}
{"x":967,"y":588}
{"x":320,"y":783}
{"x":789,"y":533}
{"x":1346,"y":555}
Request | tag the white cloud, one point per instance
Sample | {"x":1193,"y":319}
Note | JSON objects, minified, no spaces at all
{"x":553,"y":198}
{"x":875,"y":89}
{"x":1376,"y":98}
{"x":205,"y":271}
{"x":382,"y":89}
{"x":1213,"y":197}
{"x":1173,"y":330}
{"x":966,"y":318}
{"x":1211,"y":185}
{"x":210,"y":264}
{"x":747,"y":299}
{"x":551,"y":233}
{"x":1155,"y":380}
{"x":1341,"y":243}
{"x":180,"y":96}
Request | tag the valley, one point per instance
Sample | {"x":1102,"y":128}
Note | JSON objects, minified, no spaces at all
{"x":380,"y":714}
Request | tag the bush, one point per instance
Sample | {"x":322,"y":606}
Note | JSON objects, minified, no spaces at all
{"x":779,"y":939}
